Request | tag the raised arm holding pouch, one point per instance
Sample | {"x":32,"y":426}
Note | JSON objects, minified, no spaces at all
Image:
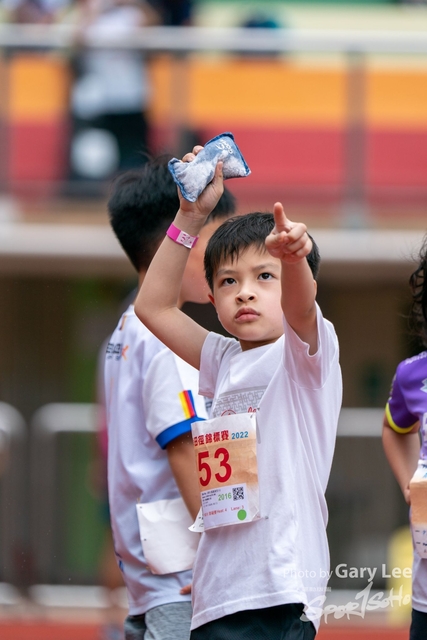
{"x":192,"y":177}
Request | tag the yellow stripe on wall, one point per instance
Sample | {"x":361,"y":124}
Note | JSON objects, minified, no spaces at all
{"x":253,"y":91}
{"x":233,"y":90}
{"x":397,"y":98}
{"x":275,"y":92}
{"x":282,"y":93}
{"x":38,"y":88}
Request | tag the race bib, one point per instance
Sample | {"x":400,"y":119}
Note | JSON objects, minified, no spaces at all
{"x":226,"y":460}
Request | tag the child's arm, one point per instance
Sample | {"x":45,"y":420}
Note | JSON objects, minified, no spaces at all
{"x":182,"y":462}
{"x":157,"y":302}
{"x":289,"y":242}
{"x":402,"y":451}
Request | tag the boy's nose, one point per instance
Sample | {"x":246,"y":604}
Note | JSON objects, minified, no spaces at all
{"x":245,"y":296}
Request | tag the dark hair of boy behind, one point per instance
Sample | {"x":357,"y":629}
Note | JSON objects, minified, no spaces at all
{"x":418,"y":285}
{"x":142,"y":205}
{"x":237,"y":234}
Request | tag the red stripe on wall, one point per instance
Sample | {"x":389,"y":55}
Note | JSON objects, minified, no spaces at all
{"x":396,"y":158}
{"x":291,"y":156}
{"x":38,"y":152}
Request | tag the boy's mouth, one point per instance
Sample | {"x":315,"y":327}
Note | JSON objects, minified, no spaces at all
{"x":246,"y":313}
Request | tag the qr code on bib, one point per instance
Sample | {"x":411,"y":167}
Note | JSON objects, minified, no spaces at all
{"x":238,"y":493}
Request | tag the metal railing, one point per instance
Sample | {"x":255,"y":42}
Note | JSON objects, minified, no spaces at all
{"x":184,"y":40}
{"x":55,"y":425}
{"x":48,"y":458}
{"x":48,"y":490}
{"x":13,"y":503}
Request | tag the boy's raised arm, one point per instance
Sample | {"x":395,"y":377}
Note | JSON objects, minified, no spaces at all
{"x":157,"y":302}
{"x":290,"y":242}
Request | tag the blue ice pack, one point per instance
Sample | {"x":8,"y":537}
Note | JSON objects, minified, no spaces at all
{"x":192,"y":177}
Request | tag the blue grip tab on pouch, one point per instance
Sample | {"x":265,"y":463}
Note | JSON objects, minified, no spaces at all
{"x":192,"y":177}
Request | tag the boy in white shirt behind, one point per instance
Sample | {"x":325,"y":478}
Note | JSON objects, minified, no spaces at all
{"x":151,"y":400}
{"x":263,"y":557}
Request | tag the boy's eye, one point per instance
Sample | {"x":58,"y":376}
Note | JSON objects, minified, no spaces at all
{"x":228,"y":281}
{"x":265,"y":276}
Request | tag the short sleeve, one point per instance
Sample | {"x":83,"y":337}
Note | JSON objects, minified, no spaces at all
{"x":214,"y":348}
{"x":398,"y":415}
{"x":170,"y":398}
{"x":311,"y":371}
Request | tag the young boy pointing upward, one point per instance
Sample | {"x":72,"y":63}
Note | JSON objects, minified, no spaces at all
{"x":254,"y":579}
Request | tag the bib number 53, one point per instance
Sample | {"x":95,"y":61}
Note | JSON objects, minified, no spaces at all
{"x":205,"y":471}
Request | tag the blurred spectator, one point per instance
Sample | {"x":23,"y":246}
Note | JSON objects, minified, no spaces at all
{"x":111,"y":91}
{"x":259,"y":20}
{"x":33,"y":11}
{"x":174,"y":13}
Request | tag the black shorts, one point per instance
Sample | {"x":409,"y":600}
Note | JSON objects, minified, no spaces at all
{"x":418,"y":625}
{"x":273,"y":623}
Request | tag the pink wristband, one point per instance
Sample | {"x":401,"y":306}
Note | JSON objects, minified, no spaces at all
{"x":180,"y":237}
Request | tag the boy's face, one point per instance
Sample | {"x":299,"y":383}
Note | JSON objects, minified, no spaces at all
{"x":247,"y":297}
{"x":194,"y":287}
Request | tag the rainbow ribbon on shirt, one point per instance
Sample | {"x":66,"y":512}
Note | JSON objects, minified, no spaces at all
{"x":187,"y":403}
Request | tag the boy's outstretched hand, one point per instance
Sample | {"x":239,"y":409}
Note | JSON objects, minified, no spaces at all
{"x":288,"y":240}
{"x":209,"y":197}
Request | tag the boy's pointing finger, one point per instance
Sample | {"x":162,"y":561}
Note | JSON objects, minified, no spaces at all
{"x":280,"y":219}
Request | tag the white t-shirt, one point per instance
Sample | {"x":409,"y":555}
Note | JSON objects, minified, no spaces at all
{"x":283,"y":557}
{"x":151,"y":398}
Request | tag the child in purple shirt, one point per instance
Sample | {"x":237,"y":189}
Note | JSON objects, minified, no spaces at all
{"x":404,"y":420}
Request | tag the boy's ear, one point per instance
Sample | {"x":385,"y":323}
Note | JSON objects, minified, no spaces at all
{"x":315,"y":288}
{"x":211,"y":298}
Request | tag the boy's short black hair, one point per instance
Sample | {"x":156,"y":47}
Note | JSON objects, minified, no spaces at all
{"x":240,"y":232}
{"x":142,"y":205}
{"x":418,"y":286}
